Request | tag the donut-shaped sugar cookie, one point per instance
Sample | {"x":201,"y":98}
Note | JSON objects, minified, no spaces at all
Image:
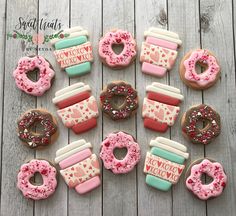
{"x":107,"y":54}
{"x":28,"y":64}
{"x":205,"y":114}
{"x":159,"y":51}
{"x":29,"y":188}
{"x":212,"y":169}
{"x":40,"y":139}
{"x":119,"y":88}
{"x":206,"y":60}
{"x":73,"y":53}
{"x":120,"y":140}
{"x":79,"y":167}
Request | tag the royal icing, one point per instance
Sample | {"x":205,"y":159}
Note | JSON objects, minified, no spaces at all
{"x":160,"y":112}
{"x":201,"y":113}
{"x":69,"y":93}
{"x":28,"y":64}
{"x":214,"y":188}
{"x":163,"y":34}
{"x":79,"y":167}
{"x":171,"y":143}
{"x":117,"y":37}
{"x":119,"y":89}
{"x":164,"y":164}
{"x":162,"y":168}
{"x":209,"y":75}
{"x":74,"y":55}
{"x":120,"y":140}
{"x":158,"y":52}
{"x":166,"y":146}
{"x":79,"y":112}
{"x":165,"y":89}
{"x":70,"y":147}
{"x":73,"y":151}
{"x":81,"y":172}
{"x":37,"y":192}
{"x":71,"y":33}
{"x":158,"y":55}
{"x":25,"y":133}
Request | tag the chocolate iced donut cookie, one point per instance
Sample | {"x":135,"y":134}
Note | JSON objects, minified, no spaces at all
{"x":208,"y":116}
{"x":112,"y":109}
{"x":48,"y":131}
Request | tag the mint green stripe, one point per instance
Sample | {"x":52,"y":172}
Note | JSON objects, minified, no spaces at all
{"x":167,"y":155}
{"x":78,"y":70}
{"x":70,"y":42}
{"x":158,"y":183}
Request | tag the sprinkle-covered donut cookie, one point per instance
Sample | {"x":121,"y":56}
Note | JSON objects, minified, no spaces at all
{"x":29,"y":188}
{"x":164,"y":164}
{"x":159,"y":51}
{"x":46,"y":136}
{"x":208,"y":116}
{"x":107,"y":54}
{"x":120,"y":140}
{"x":119,"y":88}
{"x":212,"y":169}
{"x":206,"y":60}
{"x":79,"y":167}
{"x":29,"y":64}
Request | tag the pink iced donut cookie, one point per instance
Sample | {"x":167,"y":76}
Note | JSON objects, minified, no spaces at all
{"x":31,"y":190}
{"x":206,"y":60}
{"x":29,"y":64}
{"x":120,"y":140}
{"x":107,"y":54}
{"x":212,"y":169}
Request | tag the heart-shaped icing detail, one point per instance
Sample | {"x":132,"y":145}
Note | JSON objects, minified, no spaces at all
{"x":159,"y":114}
{"x":75,"y":113}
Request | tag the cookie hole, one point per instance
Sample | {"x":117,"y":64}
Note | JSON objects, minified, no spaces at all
{"x":33,"y":75}
{"x":200,"y":67}
{"x":206,"y":179}
{"x":118,"y":101}
{"x":117,"y":48}
{"x":120,"y":153}
{"x":36,"y":128}
{"x":202,"y":124}
{"x":36,"y":179}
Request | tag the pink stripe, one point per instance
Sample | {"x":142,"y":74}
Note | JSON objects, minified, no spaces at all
{"x":153,"y":69}
{"x":88,"y":185}
{"x":163,"y":43}
{"x":75,"y":158}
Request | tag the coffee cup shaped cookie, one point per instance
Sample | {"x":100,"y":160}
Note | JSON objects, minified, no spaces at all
{"x":79,"y":166}
{"x":73,"y":51}
{"x":160,"y":107}
{"x":164,"y":164}
{"x":159,"y":51}
{"x":77,"y":108}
